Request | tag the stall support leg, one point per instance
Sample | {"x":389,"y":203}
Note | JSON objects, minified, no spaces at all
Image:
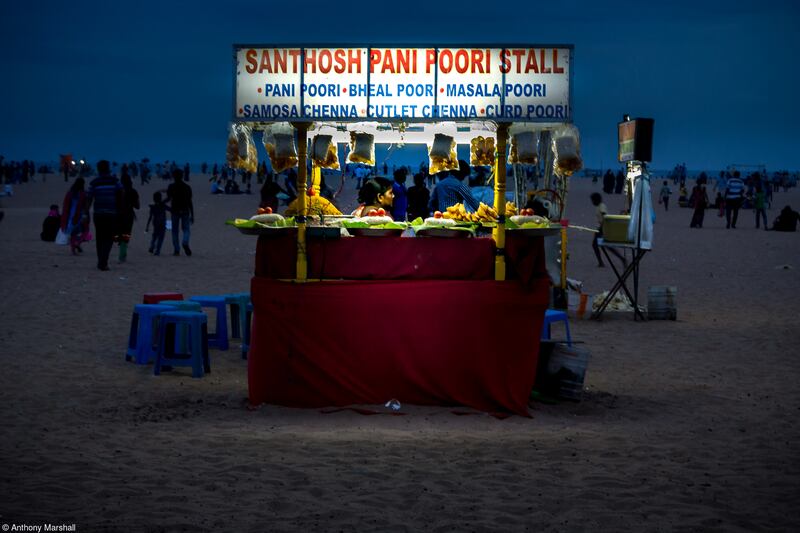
{"x":302,"y":205}
{"x":499,"y":232}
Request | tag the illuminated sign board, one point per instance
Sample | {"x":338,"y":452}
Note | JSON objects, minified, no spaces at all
{"x":514,"y":84}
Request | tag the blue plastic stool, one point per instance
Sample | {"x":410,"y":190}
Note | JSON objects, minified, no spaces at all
{"x":144,"y":323}
{"x":197,"y":354}
{"x":552,"y":315}
{"x":219,"y":337}
{"x":182,"y":305}
{"x":248,"y":324}
{"x":238,"y":304}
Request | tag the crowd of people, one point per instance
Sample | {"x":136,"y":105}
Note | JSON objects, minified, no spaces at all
{"x":111,"y":203}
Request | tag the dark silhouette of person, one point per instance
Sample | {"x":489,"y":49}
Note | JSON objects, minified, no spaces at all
{"x":105,"y":196}
{"x":179,"y":194}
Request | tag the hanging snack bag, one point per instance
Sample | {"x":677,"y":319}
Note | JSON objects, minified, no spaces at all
{"x":241,"y":151}
{"x":524,"y":148}
{"x":442,"y":154}
{"x":324,"y":152}
{"x":482,"y":151}
{"x":566,"y":151}
{"x":362,"y":148}
{"x":279,"y":144}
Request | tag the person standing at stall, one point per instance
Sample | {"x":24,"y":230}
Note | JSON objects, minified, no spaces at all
{"x":400,"y":204}
{"x":179,"y":195}
{"x":734,"y":193}
{"x":105,"y":196}
{"x":418,"y":198}
{"x":451,"y":190}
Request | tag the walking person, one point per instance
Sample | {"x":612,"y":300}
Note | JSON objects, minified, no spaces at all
{"x":130,"y":202}
{"x":760,"y":206}
{"x":734,"y":193}
{"x":663,"y":196}
{"x":699,"y":200}
{"x":75,"y":216}
{"x":179,"y":196}
{"x":105,"y":195}
{"x":158,"y":216}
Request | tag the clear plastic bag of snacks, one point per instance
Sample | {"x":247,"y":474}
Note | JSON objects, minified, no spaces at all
{"x":524,"y":148}
{"x":324,"y":152}
{"x":279,"y":144}
{"x":481,"y":151}
{"x":442,"y":154}
{"x":362,"y":148}
{"x":241,"y":151}
{"x":566,"y":150}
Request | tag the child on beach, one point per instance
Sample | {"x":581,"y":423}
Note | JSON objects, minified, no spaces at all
{"x":158,"y":216}
{"x":51,"y":224}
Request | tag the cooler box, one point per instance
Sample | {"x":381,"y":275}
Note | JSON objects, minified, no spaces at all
{"x":615,"y":228}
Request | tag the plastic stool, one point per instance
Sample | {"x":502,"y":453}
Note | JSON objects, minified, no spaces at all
{"x":183,"y":305}
{"x":553,"y":315}
{"x":220,"y":336}
{"x":238,"y":304}
{"x":156,"y":297}
{"x":144,"y":323}
{"x":197,"y":354}
{"x":248,"y":323}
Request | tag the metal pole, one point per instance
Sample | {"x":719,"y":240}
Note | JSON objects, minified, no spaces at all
{"x":302,"y":207}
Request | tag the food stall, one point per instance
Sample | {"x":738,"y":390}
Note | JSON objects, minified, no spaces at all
{"x":342,"y":320}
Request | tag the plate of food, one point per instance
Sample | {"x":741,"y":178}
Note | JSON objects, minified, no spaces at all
{"x":265,"y":222}
{"x":438,"y":226}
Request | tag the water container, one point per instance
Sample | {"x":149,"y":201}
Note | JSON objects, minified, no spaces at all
{"x":662,"y":303}
{"x":561,"y":370}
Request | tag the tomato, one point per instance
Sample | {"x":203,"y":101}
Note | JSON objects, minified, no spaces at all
{"x":311,"y":191}
{"x":372,"y":213}
{"x":268,"y":210}
{"x":437,"y":214}
{"x":261,"y":211}
{"x":381,"y":212}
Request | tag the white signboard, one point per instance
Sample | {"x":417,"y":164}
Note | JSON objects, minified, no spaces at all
{"x":513,"y":84}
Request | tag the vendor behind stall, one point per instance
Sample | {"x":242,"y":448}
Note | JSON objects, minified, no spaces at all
{"x":376,"y":193}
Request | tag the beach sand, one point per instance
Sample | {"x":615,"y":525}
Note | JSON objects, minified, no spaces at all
{"x":688,"y":425}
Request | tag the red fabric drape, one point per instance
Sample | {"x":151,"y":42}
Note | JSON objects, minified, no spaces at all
{"x":419,"y":320}
{"x":317,"y":344}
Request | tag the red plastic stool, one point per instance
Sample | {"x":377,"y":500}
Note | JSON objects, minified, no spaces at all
{"x":155,"y":297}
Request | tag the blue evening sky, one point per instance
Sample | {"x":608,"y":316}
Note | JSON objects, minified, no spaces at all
{"x":125,"y":80}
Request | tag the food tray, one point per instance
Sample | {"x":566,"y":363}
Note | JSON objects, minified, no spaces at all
{"x":443,"y":232}
{"x":536,"y":232}
{"x":375,"y":232}
{"x":268,"y":231}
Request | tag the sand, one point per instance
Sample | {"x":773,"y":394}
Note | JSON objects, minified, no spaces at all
{"x":688,"y":425}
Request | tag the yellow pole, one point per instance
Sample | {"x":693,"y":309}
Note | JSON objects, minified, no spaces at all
{"x":499,"y":233}
{"x":316,"y":178}
{"x":302,"y":208}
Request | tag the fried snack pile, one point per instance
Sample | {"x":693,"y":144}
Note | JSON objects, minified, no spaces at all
{"x":484,"y":213}
{"x":241,"y":150}
{"x":362,"y":148}
{"x":443,"y":154}
{"x":324,"y":152}
{"x":315,"y":205}
{"x":524,"y":149}
{"x":482,"y":151}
